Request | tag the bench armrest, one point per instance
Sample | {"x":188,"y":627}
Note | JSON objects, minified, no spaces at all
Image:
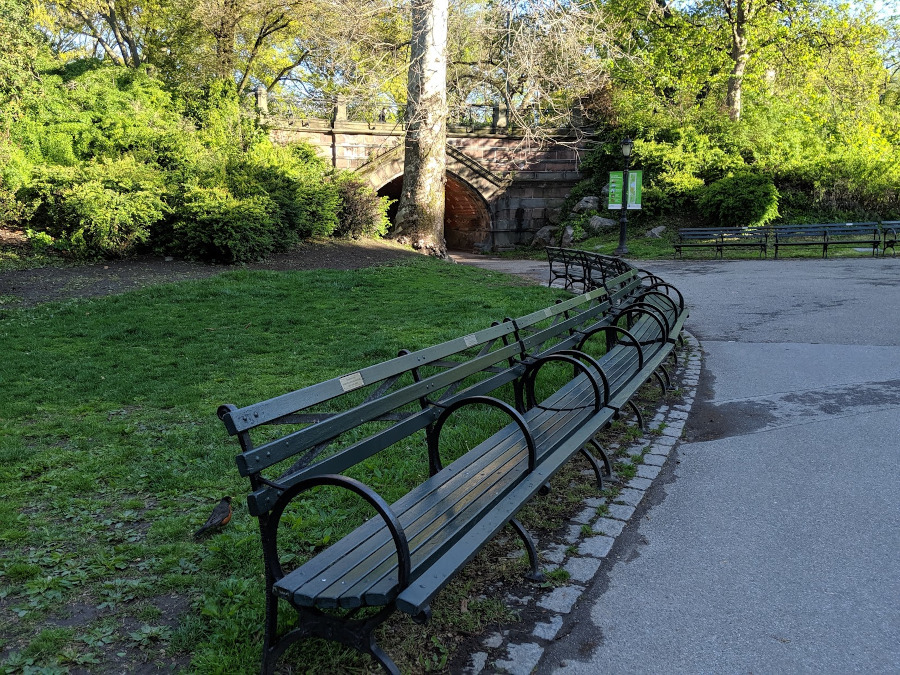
{"x":614,"y":329}
{"x":595,"y":364}
{"x":653,"y":312}
{"x":270,"y":525}
{"x":646,"y":275}
{"x":662,"y":284}
{"x":538,"y":363}
{"x":434,"y":437}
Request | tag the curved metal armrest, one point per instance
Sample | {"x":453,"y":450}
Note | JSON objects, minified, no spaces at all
{"x":663,"y":284}
{"x":654,"y":312}
{"x":480,"y":400}
{"x":606,"y":329}
{"x":664,"y":296}
{"x":595,"y":364}
{"x":646,"y":275}
{"x":384,"y":510}
{"x":648,"y":310}
{"x":531,"y":376}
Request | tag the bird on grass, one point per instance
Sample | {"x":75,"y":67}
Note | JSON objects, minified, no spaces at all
{"x":218,"y":518}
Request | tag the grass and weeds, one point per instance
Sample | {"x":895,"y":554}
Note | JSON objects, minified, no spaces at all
{"x":14,"y":258}
{"x":111,"y":455}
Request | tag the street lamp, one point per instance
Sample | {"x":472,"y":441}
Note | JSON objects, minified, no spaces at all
{"x":627,"y":145}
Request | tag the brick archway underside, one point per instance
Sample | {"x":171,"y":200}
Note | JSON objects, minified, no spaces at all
{"x":467,"y":222}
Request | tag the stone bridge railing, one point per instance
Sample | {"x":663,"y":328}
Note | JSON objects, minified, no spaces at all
{"x":502,"y":186}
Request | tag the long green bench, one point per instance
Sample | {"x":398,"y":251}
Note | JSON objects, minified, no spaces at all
{"x":827,"y":235}
{"x":720,"y":238}
{"x":587,"y":270}
{"x":404,"y":557}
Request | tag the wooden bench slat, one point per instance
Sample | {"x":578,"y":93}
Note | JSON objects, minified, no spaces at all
{"x":419,"y":511}
{"x":420,"y":592}
{"x":256,"y":414}
{"x":461,"y":521}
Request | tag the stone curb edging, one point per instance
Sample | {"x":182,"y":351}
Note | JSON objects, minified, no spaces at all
{"x":521,"y":658}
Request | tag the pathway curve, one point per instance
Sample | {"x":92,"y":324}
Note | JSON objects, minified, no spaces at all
{"x":771,"y":542}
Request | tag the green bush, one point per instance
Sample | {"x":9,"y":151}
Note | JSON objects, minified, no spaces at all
{"x":363,"y":213}
{"x":103,"y":208}
{"x":215,"y":225}
{"x":744,"y":200}
{"x":305,"y":198}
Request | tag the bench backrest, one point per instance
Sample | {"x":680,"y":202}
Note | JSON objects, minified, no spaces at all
{"x":711,"y":233}
{"x":403,"y":395}
{"x":823,"y":229}
{"x":568,"y":256}
{"x":845,"y":229}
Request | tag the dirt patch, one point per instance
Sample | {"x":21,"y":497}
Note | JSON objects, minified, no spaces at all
{"x":26,"y":288}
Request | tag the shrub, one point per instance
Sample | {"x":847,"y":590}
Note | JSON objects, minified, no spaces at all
{"x":104,"y":208}
{"x":362,"y":213}
{"x":299,"y":184}
{"x":215,"y":225}
{"x":744,"y":200}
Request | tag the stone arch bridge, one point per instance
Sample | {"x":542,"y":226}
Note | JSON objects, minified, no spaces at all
{"x":500,"y":188}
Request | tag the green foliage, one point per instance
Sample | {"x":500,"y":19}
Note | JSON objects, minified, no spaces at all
{"x":86,"y":110}
{"x":743,"y":200}
{"x":296,"y":181}
{"x":105,"y":163}
{"x":363,"y":213}
{"x":215,"y":225}
{"x":105,"y":207}
{"x":24,"y":48}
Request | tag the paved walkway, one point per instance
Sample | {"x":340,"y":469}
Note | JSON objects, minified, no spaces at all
{"x":771,"y":541}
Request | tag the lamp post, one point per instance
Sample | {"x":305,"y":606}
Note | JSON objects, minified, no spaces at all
{"x":627,"y":145}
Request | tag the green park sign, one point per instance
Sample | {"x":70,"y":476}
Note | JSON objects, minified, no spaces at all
{"x":635,"y":183}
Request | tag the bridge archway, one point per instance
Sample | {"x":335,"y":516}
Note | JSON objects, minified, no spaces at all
{"x":467,"y":219}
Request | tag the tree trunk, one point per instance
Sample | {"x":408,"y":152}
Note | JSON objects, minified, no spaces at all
{"x":740,"y":55}
{"x":420,"y":213}
{"x":226,"y":36}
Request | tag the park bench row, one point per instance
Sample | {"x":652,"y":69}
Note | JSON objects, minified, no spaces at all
{"x":585,"y":271}
{"x":606,"y":344}
{"x":872,"y":235}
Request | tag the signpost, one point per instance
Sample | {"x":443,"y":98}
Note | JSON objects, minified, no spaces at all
{"x":625,"y":192}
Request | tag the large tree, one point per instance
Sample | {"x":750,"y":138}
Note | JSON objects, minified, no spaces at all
{"x":420,"y":213}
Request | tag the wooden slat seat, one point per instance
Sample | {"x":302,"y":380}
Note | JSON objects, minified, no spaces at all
{"x":361,"y":569}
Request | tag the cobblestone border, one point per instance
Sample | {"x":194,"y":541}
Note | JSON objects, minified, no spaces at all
{"x":581,"y":554}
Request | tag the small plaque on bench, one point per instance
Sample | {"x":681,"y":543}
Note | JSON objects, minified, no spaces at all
{"x":352,"y":381}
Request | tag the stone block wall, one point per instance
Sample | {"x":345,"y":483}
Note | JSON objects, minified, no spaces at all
{"x":536,"y":178}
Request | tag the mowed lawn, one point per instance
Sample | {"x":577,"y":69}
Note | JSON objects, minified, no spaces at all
{"x":111,"y":454}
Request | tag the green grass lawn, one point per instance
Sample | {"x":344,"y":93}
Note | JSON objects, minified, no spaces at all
{"x":111,"y":454}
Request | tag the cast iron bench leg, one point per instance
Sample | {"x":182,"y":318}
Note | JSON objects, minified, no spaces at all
{"x":595,"y":464}
{"x":358,"y":634}
{"x":535,"y":573}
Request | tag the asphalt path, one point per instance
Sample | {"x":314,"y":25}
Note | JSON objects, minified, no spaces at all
{"x":772,"y":542}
